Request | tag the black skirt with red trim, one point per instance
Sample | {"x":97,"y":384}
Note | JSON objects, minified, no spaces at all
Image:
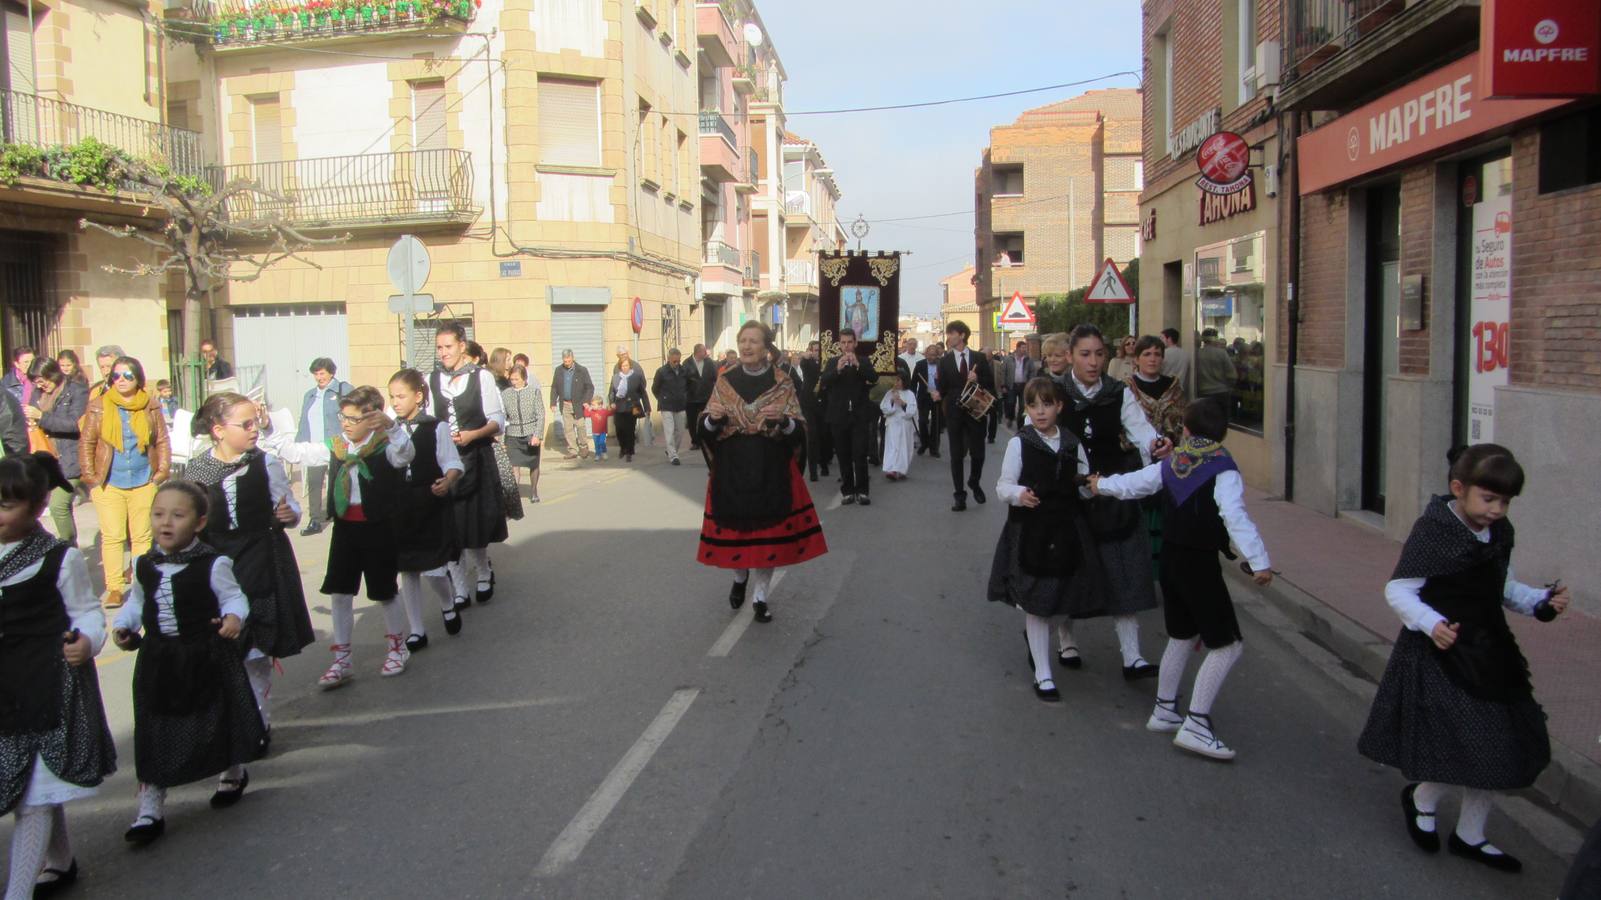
{"x":795,"y":539}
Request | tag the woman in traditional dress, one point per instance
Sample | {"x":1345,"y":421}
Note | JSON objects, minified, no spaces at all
{"x":466,"y":397}
{"x":1162,"y":399}
{"x":759,"y":515}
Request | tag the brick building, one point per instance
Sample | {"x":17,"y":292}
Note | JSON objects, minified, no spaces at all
{"x":1208,"y":259}
{"x":1056,"y":193}
{"x":1447,"y":276}
{"x":959,"y":300}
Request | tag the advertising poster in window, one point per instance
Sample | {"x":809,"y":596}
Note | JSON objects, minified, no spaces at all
{"x":1489,"y":309}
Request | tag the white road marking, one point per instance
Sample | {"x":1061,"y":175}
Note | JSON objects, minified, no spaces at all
{"x":371,"y":718}
{"x":564,"y":851}
{"x":736,"y":628}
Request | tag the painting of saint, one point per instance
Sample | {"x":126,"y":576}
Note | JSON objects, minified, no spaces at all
{"x":859,"y":311}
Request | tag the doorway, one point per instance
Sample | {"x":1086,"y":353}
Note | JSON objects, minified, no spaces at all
{"x":1381,"y":335}
{"x":1173,"y":295}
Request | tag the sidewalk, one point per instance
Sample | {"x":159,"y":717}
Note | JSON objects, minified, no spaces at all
{"x":1331,"y":583}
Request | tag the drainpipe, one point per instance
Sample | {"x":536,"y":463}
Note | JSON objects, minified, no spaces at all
{"x":1287,"y":151}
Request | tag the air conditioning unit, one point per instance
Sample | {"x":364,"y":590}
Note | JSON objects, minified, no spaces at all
{"x":1264,"y":74}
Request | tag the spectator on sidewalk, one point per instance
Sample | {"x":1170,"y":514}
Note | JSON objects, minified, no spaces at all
{"x":169,"y":402}
{"x":13,"y":426}
{"x":123,"y":455}
{"x":702,"y":374}
{"x":1455,"y":706}
{"x":628,"y":404}
{"x":597,"y":414}
{"x":104,"y":358}
{"x":217,"y":368}
{"x":319,"y":421}
{"x":525,"y":425}
{"x":70,"y":367}
{"x":17,"y":382}
{"x":570,"y":390}
{"x":644,"y":424}
{"x":1175,"y":359}
{"x":671,"y":389}
{"x":500,"y":363}
{"x":1214,"y":371}
{"x":58,"y":404}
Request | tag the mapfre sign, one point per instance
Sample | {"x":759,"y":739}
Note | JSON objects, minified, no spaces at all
{"x":1540,"y":48}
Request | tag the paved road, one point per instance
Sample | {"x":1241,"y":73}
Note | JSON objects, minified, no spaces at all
{"x":606,"y":728}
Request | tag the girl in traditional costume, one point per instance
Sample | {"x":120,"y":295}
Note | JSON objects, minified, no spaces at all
{"x":466,"y":397}
{"x":250,"y":507}
{"x":195,"y":714}
{"x":54,"y":743}
{"x":1455,"y":706}
{"x":759,"y":515}
{"x":425,"y":542}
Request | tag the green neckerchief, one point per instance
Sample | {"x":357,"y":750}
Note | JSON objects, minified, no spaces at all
{"x":340,"y":450}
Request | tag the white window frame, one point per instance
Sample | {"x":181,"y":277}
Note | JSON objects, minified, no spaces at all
{"x":1245,"y":22}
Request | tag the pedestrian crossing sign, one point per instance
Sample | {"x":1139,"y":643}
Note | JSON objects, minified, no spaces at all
{"x":1109,"y":286}
{"x":1016,"y":315}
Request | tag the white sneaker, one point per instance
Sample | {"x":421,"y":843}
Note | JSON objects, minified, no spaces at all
{"x":1164,"y":720}
{"x":395,"y":662}
{"x":340,"y":672}
{"x":1197,"y":738}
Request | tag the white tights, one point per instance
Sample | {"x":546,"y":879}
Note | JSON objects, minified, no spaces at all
{"x":413,"y":587}
{"x":344,"y":617}
{"x":259,"y":670}
{"x":1476,"y":806}
{"x":1038,"y":630}
{"x":761,"y":581}
{"x":472,"y":568}
{"x":1128,"y":637}
{"x":1208,"y":681}
{"x":40,"y":840}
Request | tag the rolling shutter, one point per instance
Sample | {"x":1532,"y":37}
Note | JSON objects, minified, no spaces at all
{"x":428,"y":115}
{"x":583,"y":332}
{"x":269,"y":144}
{"x":569,"y":122}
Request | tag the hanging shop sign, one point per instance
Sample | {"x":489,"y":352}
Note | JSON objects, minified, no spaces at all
{"x":1540,"y":48}
{"x":1217,"y":207}
{"x":1189,"y":137}
{"x":1226,"y":187}
{"x":1442,"y":108}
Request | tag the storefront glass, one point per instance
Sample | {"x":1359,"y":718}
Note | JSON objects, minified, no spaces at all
{"x":1229,"y":363}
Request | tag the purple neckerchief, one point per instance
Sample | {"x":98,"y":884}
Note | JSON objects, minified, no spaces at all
{"x":1199,"y":475}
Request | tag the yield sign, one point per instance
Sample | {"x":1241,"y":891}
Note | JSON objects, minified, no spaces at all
{"x":1017,"y":312}
{"x":1109,"y":286}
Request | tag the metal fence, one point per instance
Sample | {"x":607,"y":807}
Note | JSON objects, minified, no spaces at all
{"x":46,"y":123}
{"x":408,"y":186}
{"x":718,"y":252}
{"x":1321,"y":28}
{"x":712,"y":122}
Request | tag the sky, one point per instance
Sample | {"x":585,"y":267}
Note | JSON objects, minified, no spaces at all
{"x":851,"y":53}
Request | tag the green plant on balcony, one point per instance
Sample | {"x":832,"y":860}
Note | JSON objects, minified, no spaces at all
{"x":235,"y":21}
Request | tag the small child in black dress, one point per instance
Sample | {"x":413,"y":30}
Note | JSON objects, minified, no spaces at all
{"x":194,"y":712}
{"x":1455,"y":706}
{"x":424,"y":539}
{"x":54,"y":744}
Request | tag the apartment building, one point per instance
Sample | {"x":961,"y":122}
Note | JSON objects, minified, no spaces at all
{"x":959,"y":300}
{"x":545,"y":153}
{"x":811,"y":221}
{"x":72,"y":72}
{"x":728,"y":269}
{"x":765,"y":76}
{"x":1208,"y":264}
{"x":1055,"y":194}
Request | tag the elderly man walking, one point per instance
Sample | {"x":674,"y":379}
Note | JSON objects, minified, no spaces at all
{"x":570,"y":389}
{"x":671,"y":389}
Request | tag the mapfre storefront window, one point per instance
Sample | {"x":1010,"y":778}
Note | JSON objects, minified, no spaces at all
{"x":1229,"y":366}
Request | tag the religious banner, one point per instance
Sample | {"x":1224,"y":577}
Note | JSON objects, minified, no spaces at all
{"x":861,"y":292}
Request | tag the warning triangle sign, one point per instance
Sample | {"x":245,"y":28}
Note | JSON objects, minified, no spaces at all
{"x":1017,"y":312}
{"x":1109,"y":286}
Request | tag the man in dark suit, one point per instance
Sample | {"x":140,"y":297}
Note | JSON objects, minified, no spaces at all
{"x":702,"y":374}
{"x":959,"y":367}
{"x":819,"y":445}
{"x":1019,"y":369}
{"x":930,"y":417}
{"x":850,"y":415}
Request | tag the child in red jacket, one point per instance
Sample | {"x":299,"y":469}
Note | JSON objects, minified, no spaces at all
{"x":598,"y":415}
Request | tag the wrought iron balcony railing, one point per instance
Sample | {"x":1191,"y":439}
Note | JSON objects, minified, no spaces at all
{"x":235,"y":24}
{"x":44,"y":123}
{"x":712,"y":122}
{"x":1320,"y":29}
{"x":411,"y":186}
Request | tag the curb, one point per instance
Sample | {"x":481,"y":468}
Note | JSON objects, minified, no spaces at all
{"x":1571,"y":784}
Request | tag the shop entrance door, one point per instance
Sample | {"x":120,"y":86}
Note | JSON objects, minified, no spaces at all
{"x":1381,"y":334}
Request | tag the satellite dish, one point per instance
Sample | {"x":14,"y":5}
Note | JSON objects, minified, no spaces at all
{"x":753,"y":34}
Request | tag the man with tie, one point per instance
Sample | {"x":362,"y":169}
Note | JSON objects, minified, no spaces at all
{"x":851,"y":415}
{"x":960,"y":367}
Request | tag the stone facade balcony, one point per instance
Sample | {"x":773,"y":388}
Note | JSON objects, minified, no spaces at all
{"x":719,"y":148}
{"x":715,"y":35}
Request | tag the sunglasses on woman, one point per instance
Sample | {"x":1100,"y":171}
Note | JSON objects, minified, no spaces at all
{"x":123,"y":376}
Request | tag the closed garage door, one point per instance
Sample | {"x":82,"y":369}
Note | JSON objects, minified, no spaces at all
{"x":284,"y":340}
{"x":582,"y":331}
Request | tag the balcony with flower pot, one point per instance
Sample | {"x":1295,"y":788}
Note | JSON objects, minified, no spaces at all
{"x":1342,"y":50}
{"x":234,"y":26}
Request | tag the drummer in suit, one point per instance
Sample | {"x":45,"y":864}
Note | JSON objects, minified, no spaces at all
{"x":960,"y":367}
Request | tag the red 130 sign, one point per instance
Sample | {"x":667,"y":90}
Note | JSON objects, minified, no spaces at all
{"x":1492,"y":342}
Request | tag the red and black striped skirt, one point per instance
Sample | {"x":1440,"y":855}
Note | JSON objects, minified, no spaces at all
{"x":796,"y":539}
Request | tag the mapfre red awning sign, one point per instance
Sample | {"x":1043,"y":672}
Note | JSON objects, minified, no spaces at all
{"x":1540,"y":48}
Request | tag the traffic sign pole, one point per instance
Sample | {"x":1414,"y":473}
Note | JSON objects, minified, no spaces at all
{"x":409,"y":266}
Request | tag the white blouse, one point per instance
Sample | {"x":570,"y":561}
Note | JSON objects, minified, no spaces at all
{"x":1135,"y":424}
{"x":77,"y":593}
{"x":1228,"y":490}
{"x":231,"y":598}
{"x":1007,"y":488}
{"x":277,"y":489}
{"x":400,"y":452}
{"x":453,"y":386}
{"x":445,"y":452}
{"x":1405,"y":597}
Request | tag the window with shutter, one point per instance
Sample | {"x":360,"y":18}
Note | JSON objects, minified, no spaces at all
{"x":428,"y":115}
{"x":269,"y":146}
{"x":569,"y":122}
{"x":178,"y":113}
{"x":22,"y":115}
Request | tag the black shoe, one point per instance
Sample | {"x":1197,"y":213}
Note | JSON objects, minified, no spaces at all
{"x":864,"y":500}
{"x":145,"y":830}
{"x":961,"y":503}
{"x":934,"y":453}
{"x":1048,"y":694}
{"x":814,"y":478}
{"x":61,"y":880}
{"x":1139,"y":670}
{"x":736,"y":594}
{"x":487,"y":594}
{"x":415,"y":642}
{"x":462,"y":603}
{"x":1428,"y":841}
{"x":225,"y":798}
{"x":978,"y":494}
{"x":311,"y":529}
{"x":759,"y":608}
{"x":677,"y":463}
{"x":920,"y":451}
{"x":1070,"y":662}
{"x":848,"y":500}
{"x":1501,"y":862}
{"x":453,"y":622}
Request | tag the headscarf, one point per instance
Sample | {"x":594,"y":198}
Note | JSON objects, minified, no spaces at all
{"x":111,"y":422}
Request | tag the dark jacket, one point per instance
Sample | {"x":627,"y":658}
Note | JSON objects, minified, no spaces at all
{"x":219,"y":370}
{"x":636,"y":393}
{"x":951,"y":381}
{"x":12,"y":382}
{"x":583,"y":388}
{"x":847,"y":389}
{"x":13,"y":427}
{"x":806,"y":388}
{"x":671,"y":388}
{"x":1031,"y":367}
{"x":330,"y":410}
{"x":60,"y":424}
{"x":702,"y":375}
{"x":920,"y":383}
